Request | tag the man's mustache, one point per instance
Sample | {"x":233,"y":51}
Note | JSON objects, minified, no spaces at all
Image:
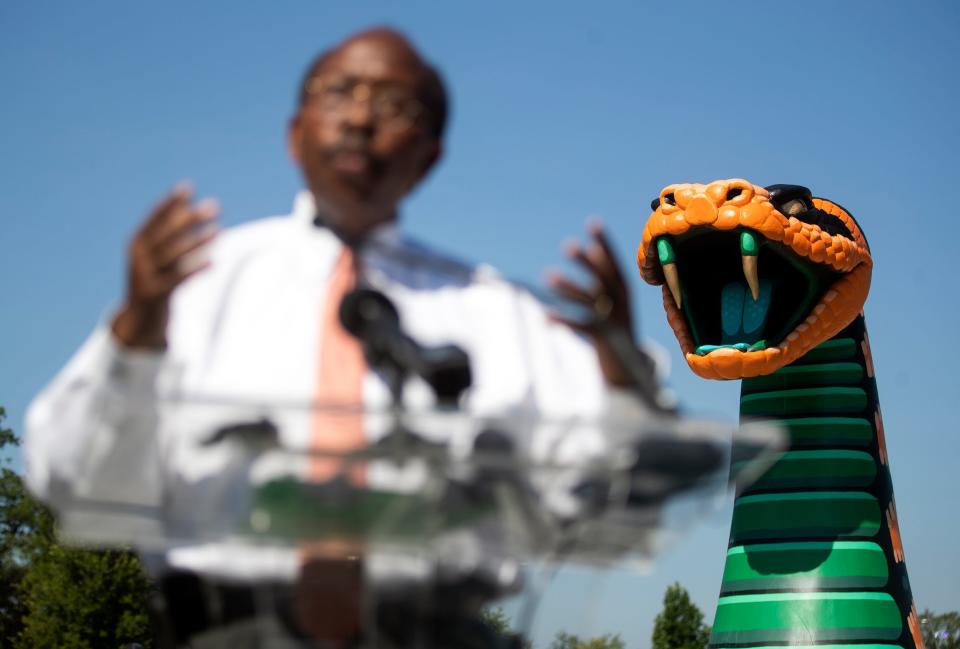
{"x":351,"y":143}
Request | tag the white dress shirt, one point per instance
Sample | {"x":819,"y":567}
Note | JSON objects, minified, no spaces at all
{"x":245,"y":331}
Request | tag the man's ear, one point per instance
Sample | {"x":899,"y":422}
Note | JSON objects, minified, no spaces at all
{"x":294,"y":128}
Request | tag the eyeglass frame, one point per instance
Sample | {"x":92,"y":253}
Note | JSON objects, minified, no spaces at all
{"x":359,"y":91}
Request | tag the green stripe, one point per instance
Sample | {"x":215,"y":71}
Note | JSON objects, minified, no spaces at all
{"x":828,"y":646}
{"x":805,"y":515}
{"x":805,"y":566}
{"x":294,"y":510}
{"x":806,"y":469}
{"x":804,"y":401}
{"x":838,"y":349}
{"x":806,"y":618}
{"x":828,"y":431}
{"x":797,"y":376}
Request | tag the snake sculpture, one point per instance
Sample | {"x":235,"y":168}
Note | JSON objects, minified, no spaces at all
{"x":767,"y":285}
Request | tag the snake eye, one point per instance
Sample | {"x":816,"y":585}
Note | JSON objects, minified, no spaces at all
{"x":733,"y":192}
{"x":797,"y":197}
{"x":655,"y":203}
{"x":794,"y":207}
{"x":669,"y":199}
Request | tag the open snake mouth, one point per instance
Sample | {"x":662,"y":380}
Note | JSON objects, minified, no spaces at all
{"x":740,"y":292}
{"x":747,"y":288}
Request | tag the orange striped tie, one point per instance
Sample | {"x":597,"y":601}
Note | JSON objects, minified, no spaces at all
{"x":338,"y":422}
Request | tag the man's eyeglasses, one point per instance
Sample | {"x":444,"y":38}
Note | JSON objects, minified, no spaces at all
{"x":392,"y":106}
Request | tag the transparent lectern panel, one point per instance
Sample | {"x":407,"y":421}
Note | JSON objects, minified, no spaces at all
{"x":280,"y":476}
{"x":263,"y":509}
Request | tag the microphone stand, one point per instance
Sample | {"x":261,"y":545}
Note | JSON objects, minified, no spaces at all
{"x":373,"y":319}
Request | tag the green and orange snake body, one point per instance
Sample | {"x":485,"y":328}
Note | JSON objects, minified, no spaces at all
{"x":767,"y":285}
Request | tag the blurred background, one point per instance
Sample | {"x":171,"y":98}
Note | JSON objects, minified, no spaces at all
{"x":559,"y":112}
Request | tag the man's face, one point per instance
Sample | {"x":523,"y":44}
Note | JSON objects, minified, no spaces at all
{"x":362,"y":137}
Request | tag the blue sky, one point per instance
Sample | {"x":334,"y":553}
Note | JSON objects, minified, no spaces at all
{"x":559,"y":111}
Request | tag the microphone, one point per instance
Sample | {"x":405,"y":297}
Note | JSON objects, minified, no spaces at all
{"x":373,"y":319}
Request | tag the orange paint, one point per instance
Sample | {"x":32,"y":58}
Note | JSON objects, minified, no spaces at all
{"x":867,"y":356}
{"x":894,"y":526}
{"x":881,"y":439}
{"x":914,"y":624}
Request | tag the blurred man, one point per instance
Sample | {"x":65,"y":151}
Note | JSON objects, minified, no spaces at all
{"x":252,"y":313}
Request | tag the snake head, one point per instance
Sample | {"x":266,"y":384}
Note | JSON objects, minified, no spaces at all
{"x":753,"y":278}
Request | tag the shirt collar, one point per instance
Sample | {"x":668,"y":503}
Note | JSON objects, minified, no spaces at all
{"x":305,"y":209}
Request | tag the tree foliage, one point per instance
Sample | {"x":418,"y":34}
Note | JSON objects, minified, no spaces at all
{"x":80,"y":598}
{"x":569,"y":641}
{"x":57,"y":596}
{"x":497,"y":619}
{"x":680,"y":624}
{"x":940,"y":631}
{"x":25,"y":531}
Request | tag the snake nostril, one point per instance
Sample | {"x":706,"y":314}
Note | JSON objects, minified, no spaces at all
{"x":733,"y":192}
{"x":670,"y":199}
{"x":654,"y":204}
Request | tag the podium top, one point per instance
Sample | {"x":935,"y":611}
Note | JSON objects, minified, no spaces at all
{"x":243,"y":491}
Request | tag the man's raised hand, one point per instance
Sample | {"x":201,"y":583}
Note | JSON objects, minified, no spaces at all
{"x":607,"y":298}
{"x":163,"y":253}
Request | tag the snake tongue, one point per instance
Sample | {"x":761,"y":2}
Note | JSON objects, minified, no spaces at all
{"x":742,"y":318}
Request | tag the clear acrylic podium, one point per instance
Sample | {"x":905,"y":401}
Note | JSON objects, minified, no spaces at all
{"x":259,"y":540}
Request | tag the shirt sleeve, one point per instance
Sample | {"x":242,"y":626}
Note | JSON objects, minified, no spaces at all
{"x":91,"y":433}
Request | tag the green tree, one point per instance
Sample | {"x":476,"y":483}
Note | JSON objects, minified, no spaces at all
{"x":940,"y":631}
{"x":565,"y":640}
{"x":680,"y":624}
{"x":79,"y":599}
{"x":57,"y":596}
{"x":496,"y":619}
{"x":26,"y":529}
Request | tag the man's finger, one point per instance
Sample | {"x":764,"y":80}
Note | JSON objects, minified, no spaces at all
{"x":180,"y":194}
{"x":181,"y":220}
{"x":603,"y":268}
{"x":187,"y":266}
{"x":596,"y":267}
{"x":567,"y":289}
{"x":587,"y":328}
{"x":595,"y":227}
{"x":176,"y":249}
